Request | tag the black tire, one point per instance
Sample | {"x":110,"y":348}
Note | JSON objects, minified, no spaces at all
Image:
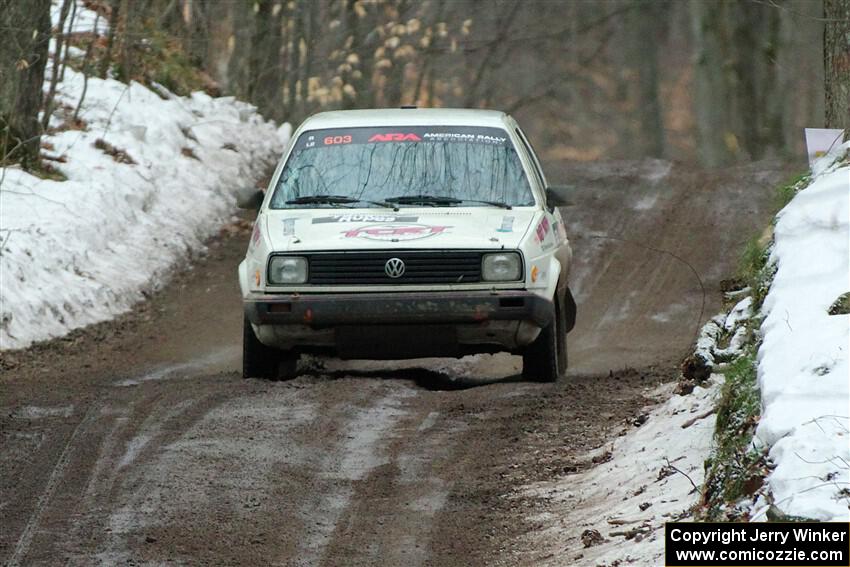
{"x":545,"y":360}
{"x":261,"y":361}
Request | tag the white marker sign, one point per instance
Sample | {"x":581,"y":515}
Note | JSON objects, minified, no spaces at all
{"x":820,"y":140}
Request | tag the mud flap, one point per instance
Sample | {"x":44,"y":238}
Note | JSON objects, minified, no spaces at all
{"x":569,"y":311}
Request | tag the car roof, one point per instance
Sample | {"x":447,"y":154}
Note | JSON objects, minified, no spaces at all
{"x":406,"y":117}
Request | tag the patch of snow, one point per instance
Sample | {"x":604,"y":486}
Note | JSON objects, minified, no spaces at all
{"x":741,"y":312}
{"x":669,"y":311}
{"x":169,"y":371}
{"x":646,"y":202}
{"x":736,"y":344}
{"x":39,"y":412}
{"x":636,"y":490}
{"x":803,"y":369}
{"x":84,"y":19}
{"x":80,"y":251}
{"x":708,"y":337}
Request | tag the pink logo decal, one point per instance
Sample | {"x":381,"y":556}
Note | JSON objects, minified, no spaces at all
{"x":390,"y":232}
{"x":542,"y":229}
{"x":395,"y":137}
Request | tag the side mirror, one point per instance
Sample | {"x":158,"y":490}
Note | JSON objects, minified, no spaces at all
{"x":249,"y":198}
{"x":558,"y":195}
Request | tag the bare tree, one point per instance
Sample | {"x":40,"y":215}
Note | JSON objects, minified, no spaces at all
{"x":23,"y":56}
{"x":646,"y":23}
{"x":836,"y":51}
{"x":106,"y":60}
{"x":264,"y":62}
{"x":57,"y":59}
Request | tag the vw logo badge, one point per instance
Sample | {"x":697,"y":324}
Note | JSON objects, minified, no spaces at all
{"x":394,"y":268}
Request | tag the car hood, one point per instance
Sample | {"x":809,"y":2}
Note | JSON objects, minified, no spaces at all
{"x":409,"y":228}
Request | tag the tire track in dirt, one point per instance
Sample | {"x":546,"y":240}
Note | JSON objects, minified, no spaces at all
{"x":54,"y":478}
{"x":399,"y":463}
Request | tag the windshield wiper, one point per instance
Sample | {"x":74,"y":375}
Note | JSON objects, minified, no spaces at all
{"x":334,"y":200}
{"x":433,"y":200}
{"x":437,"y":200}
{"x":499,"y":204}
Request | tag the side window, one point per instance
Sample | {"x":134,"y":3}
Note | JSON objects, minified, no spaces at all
{"x":530,"y":151}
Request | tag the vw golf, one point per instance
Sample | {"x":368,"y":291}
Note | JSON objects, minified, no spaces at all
{"x":391,"y":234}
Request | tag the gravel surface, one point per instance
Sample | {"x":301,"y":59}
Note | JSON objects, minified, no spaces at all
{"x":136,"y":441}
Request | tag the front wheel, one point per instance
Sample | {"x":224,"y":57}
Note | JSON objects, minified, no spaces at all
{"x":545,"y":360}
{"x":261,"y":361}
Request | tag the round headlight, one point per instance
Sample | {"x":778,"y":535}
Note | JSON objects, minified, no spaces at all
{"x":501,"y":267}
{"x":287,"y":270}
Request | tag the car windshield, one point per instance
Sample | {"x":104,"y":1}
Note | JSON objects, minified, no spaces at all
{"x":403,"y":166}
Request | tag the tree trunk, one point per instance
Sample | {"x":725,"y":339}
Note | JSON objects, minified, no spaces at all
{"x":647,"y":22}
{"x":306,"y":71}
{"x":67,"y":54}
{"x":57,"y":60}
{"x":133,"y":14}
{"x":360,"y":20}
{"x":114,"y":11}
{"x":710,"y":94}
{"x":836,"y":52}
{"x":298,"y":17}
{"x":264,"y":65}
{"x":23,"y":56}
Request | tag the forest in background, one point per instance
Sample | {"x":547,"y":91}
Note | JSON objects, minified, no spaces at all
{"x":708,"y":81}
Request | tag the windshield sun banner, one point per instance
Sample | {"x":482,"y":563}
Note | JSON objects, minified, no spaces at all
{"x":344,"y":136}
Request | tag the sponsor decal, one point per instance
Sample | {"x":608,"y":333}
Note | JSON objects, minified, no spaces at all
{"x":537,"y":274}
{"x":507,"y":225}
{"x":289,"y":226}
{"x":395,"y":232}
{"x":542,"y":229}
{"x":395,"y":137}
{"x":464,"y":137}
{"x":332,"y":140}
{"x":360,"y":217}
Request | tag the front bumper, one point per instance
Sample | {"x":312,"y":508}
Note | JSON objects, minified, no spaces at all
{"x":320,"y":311}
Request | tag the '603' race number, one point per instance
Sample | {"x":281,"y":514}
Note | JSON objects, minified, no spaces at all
{"x":331,"y":140}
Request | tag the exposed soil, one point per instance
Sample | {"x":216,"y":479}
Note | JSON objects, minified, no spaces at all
{"x":136,"y":441}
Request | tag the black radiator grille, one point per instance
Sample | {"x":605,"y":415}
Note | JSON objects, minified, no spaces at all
{"x":420,"y":267}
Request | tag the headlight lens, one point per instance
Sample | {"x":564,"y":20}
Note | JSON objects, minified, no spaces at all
{"x":287,"y":270}
{"x":501,"y":267}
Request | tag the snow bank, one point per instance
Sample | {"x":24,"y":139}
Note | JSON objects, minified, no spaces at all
{"x":80,"y":251}
{"x":803,"y":368}
{"x":628,"y":499}
{"x":614,"y":513}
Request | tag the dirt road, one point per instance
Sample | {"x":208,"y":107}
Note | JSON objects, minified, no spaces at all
{"x":137,"y":442}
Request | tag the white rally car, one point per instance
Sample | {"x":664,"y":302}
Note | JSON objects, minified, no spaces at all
{"x":390,"y":234}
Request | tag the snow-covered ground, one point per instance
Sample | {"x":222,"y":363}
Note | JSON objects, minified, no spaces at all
{"x":616,"y":510}
{"x":614,"y":513}
{"x":803,"y":369}
{"x":80,"y":251}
